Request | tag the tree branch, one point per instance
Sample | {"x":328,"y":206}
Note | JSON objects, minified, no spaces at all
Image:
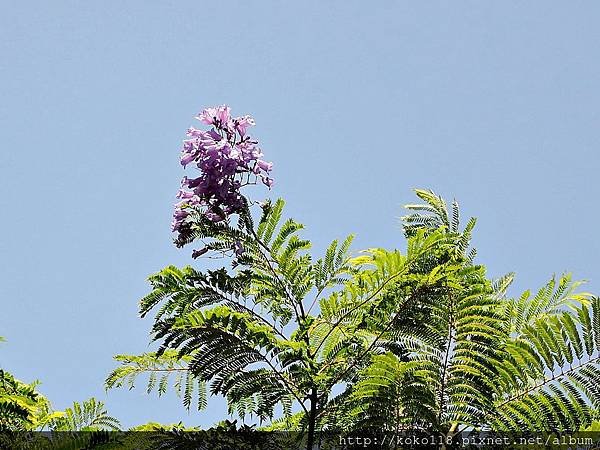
{"x":543,"y":383}
{"x":375,"y":341}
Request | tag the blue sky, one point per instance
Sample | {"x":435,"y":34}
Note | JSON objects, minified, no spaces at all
{"x":494,"y":103}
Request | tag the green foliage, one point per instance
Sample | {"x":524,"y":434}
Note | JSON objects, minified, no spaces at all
{"x":90,"y":415}
{"x":472,"y":357}
{"x":22,"y":407}
{"x":159,"y":371}
{"x":155,"y":426}
{"x":550,"y":369}
{"x":420,"y":339}
{"x":232,"y":329}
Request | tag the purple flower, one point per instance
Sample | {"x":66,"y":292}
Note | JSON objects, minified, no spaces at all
{"x":192,"y":182}
{"x":218,"y":116}
{"x":238,"y":248}
{"x":183,"y":194}
{"x":213,"y":216}
{"x":194,"y":132}
{"x":178,"y":218}
{"x":227,"y":159}
{"x":264,"y":165}
{"x":187,"y":158}
{"x":242,"y":124}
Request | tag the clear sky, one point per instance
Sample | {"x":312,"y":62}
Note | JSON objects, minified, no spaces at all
{"x":356,"y":102}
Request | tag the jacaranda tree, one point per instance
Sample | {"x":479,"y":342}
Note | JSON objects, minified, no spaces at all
{"x":476,"y":358}
{"x":419,"y":338}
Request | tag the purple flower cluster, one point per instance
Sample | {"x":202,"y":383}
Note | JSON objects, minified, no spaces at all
{"x":228,"y":159}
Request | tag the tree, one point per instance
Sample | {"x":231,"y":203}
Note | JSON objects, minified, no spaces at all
{"x":283,"y":329}
{"x":415,"y":339}
{"x":90,"y":415}
{"x":21,"y":406}
{"x":248,"y":333}
{"x":482,"y":360}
